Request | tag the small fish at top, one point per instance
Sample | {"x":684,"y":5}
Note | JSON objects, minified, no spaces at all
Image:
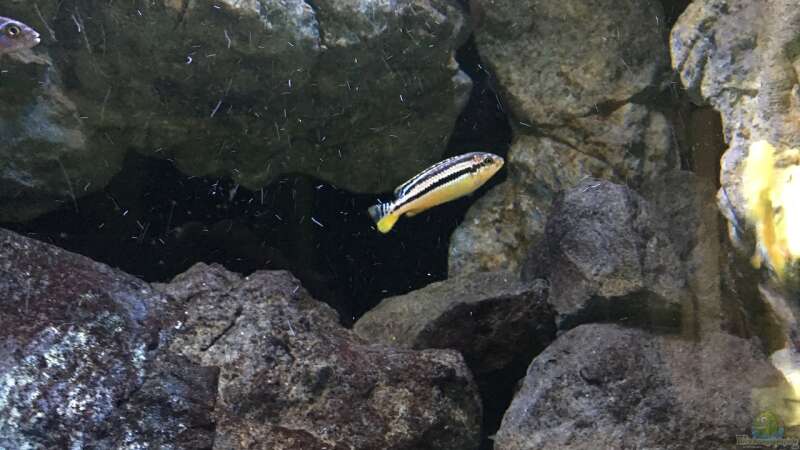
{"x":442,"y":182}
{"x":15,"y":36}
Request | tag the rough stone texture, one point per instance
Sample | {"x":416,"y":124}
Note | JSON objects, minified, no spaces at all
{"x":292,"y":378}
{"x":608,"y":256}
{"x":740,"y":57}
{"x":686,"y":208}
{"x":248,"y":89}
{"x":174,"y":407}
{"x":93,"y":358}
{"x":499,"y":228}
{"x":78,"y":364}
{"x":603,"y":386}
{"x":578,"y":78}
{"x":560,"y":60}
{"x":492,"y":318}
{"x":47,"y":145}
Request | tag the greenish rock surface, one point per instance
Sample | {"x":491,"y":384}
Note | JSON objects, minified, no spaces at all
{"x":361,"y":94}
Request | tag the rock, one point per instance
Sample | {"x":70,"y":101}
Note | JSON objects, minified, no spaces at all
{"x":580,"y":84}
{"x":78,"y":357}
{"x":608,"y":256}
{"x":497,"y":231}
{"x":92,"y":357}
{"x":604,"y":386}
{"x":292,"y":378}
{"x":491,"y":318}
{"x":555,"y":61}
{"x":253,"y":90}
{"x":686,"y":206}
{"x":739,"y":57}
{"x":49,"y":156}
{"x":744,"y":70}
{"x":173,"y":407}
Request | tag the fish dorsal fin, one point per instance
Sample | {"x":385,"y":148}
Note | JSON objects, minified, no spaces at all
{"x":400,"y":190}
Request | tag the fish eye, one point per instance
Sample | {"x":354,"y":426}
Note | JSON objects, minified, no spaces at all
{"x":13,"y":31}
{"x":489,"y":160}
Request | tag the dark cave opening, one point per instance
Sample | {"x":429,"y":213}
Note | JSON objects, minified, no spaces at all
{"x":154,"y":222}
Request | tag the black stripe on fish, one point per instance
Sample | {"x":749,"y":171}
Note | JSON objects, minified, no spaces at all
{"x":437,"y":184}
{"x":437,"y":168}
{"x":434,"y":176}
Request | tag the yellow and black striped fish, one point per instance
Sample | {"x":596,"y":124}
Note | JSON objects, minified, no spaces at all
{"x":442,"y":182}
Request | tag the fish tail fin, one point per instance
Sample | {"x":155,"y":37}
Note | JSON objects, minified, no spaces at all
{"x":383,"y":215}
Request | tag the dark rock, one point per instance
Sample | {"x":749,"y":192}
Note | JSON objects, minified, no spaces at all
{"x":608,"y":256}
{"x":492,"y":318}
{"x":173,"y":407}
{"x":49,"y":157}
{"x":78,"y":357}
{"x":292,"y":378}
{"x":604,"y":386}
{"x":497,"y":322}
{"x":253,"y":90}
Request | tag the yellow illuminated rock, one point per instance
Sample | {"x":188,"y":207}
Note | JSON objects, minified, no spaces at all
{"x":770,"y":181}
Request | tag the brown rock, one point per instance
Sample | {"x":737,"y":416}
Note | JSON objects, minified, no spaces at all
{"x":81,"y":357}
{"x":292,"y":378}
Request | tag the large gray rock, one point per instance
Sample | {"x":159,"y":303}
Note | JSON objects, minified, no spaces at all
{"x":248,"y":89}
{"x":292,"y":378}
{"x":555,"y":61}
{"x":608,"y":256}
{"x":604,"y":386}
{"x":578,"y":77}
{"x":492,"y":318}
{"x":79,"y":358}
